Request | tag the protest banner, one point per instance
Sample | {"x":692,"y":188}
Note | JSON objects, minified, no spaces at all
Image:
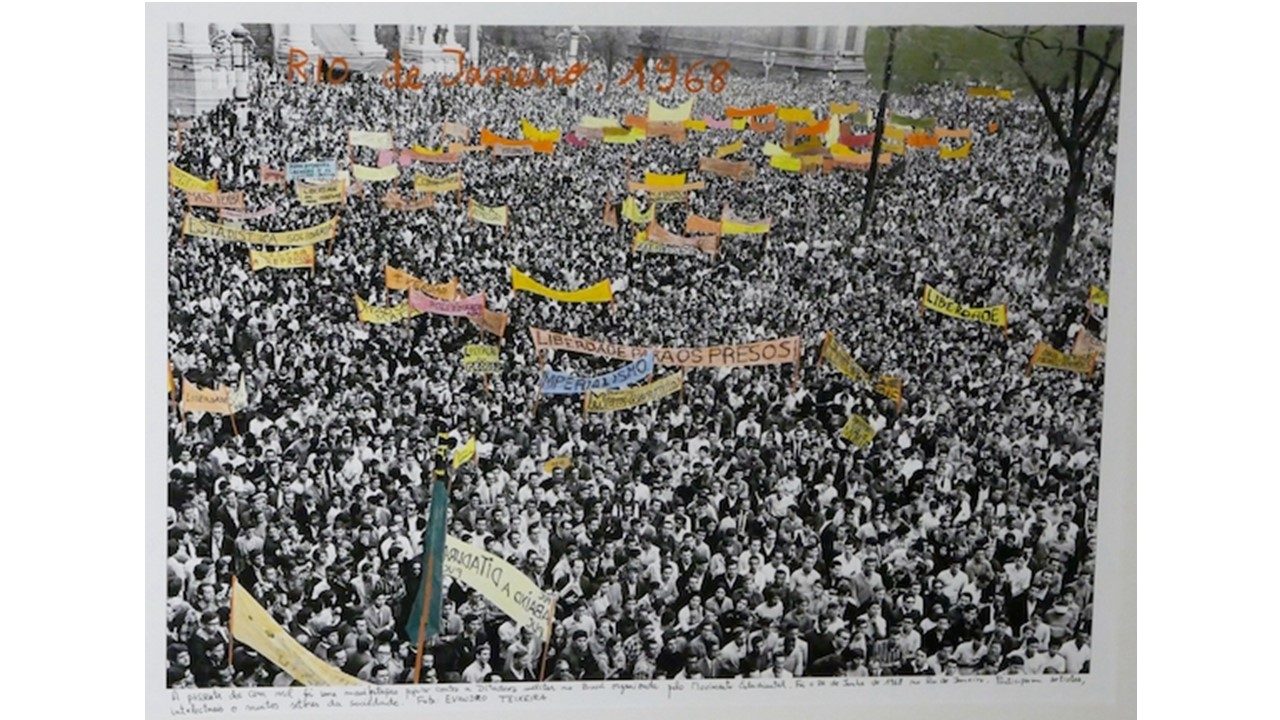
{"x":598,"y":401}
{"x":695,"y":125}
{"x":291,"y":258}
{"x":920,"y":139}
{"x":994,"y":315}
{"x":434,"y":157}
{"x":912,"y":122}
{"x":816,"y":128}
{"x":472,"y":307}
{"x":494,"y":323}
{"x":465,"y":454}
{"x":610,"y":212}
{"x":184,"y":180}
{"x":383,"y":316}
{"x":500,"y":583}
{"x":311,"y":170}
{"x":757,"y":111}
{"x":488,"y":215}
{"x":709,"y":244}
{"x":1098,"y":296}
{"x":1045,"y":355}
{"x":665,"y":189}
{"x":393,"y":201}
{"x":733,"y":225}
{"x":621,"y":136}
{"x":631,"y":211}
{"x":233,"y":214}
{"x":677,"y":114}
{"x":489,"y":139}
{"x":717,"y":124}
{"x":271,"y":176}
{"x":251,"y":624}
{"x":372,"y":174}
{"x":532,"y":132}
{"x":942,"y":133}
{"x":198,"y":399}
{"x":696,"y":224}
{"x":397,"y":279}
{"x":556,"y":463}
{"x":454,"y":130}
{"x":598,"y":123}
{"x":481,"y":359}
{"x":838,"y":109}
{"x":890,"y":387}
{"x":760,"y":126}
{"x":786,"y":162}
{"x":858,"y":431}
{"x":734,"y":170}
{"x":219,"y":200}
{"x":641,"y":244}
{"x":731,"y":148}
{"x":779,"y":351}
{"x":990,"y":92}
{"x":427,"y":184}
{"x":376,"y":139}
{"x":835,"y":353}
{"x":796,"y":115}
{"x":673,"y":131}
{"x":674,"y":180}
{"x":328,"y":193}
{"x":1087,"y":344}
{"x":197,"y":227}
{"x":558,"y":383}
{"x":462,"y":149}
{"x":598,"y":293}
{"x":947,"y":153}
{"x":512,"y":151}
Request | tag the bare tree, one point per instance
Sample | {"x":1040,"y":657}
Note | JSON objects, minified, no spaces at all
{"x":868,"y":202}
{"x":1076,"y":116}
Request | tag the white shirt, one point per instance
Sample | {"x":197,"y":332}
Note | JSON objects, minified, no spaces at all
{"x":1076,"y":657}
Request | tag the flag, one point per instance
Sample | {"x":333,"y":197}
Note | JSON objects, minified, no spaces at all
{"x":465,"y":453}
{"x":432,"y":566}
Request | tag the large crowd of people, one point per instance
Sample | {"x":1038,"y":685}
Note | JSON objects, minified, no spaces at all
{"x":728,"y":531}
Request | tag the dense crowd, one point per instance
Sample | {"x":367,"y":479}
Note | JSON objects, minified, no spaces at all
{"x":725,"y":532}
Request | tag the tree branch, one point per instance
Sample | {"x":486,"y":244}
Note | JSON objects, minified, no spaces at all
{"x":1059,"y":47}
{"x":1112,"y":39}
{"x":1077,"y":109}
{"x":1055,"y":117}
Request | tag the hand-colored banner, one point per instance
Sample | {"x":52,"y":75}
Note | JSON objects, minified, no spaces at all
{"x":489,"y":139}
{"x":393,"y":201}
{"x":760,"y":126}
{"x":920,"y":139}
{"x":858,"y":431}
{"x":656,"y":189}
{"x":716,"y":124}
{"x":512,"y":151}
{"x":556,"y":463}
{"x":481,"y":359}
{"x":435,"y":157}
{"x":383,"y":316}
{"x":612,"y":400}
{"x":1046,"y":355}
{"x":598,"y":293}
{"x":960,"y":134}
{"x":588,"y":121}
{"x":311,"y":170}
{"x":947,"y":153}
{"x":698,"y":225}
{"x":573,"y":139}
{"x":298,"y":257}
{"x":198,"y":399}
{"x":454,"y":130}
{"x":472,"y":307}
{"x":271,"y":176}
{"x":197,"y":227}
{"x":488,"y":215}
{"x":465,"y":454}
{"x":816,"y":128}
{"x":695,"y":125}
{"x":786,"y":162}
{"x":838,"y":109}
{"x":772,"y":149}
{"x":376,"y":139}
{"x":500,"y":583}
{"x":679,"y":114}
{"x":796,"y":115}
{"x":673,"y":131}
{"x":233,"y":214}
{"x":812,"y":145}
{"x":731,"y":148}
{"x":631,"y":211}
{"x":839,"y":357}
{"x":1087,"y":344}
{"x":757,"y":111}
{"x":462,"y":149}
{"x":895,"y":147}
{"x":731,"y":224}
{"x":329,"y":193}
{"x":895,"y":133}
{"x":990,"y":92}
{"x":558,"y":383}
{"x":709,"y":244}
{"x":251,"y":624}
{"x":220,"y":200}
{"x":184,"y":180}
{"x":890,"y":387}
{"x":610,"y":213}
{"x":642,"y":244}
{"x":912,"y":122}
{"x":675,"y":180}
{"x":994,"y":315}
{"x":620,"y":136}
{"x":428,"y":184}
{"x":494,"y":323}
{"x":852,"y":140}
{"x":397,"y":279}
{"x":779,"y":351}
{"x":373,"y":174}
{"x":1098,"y":296}
{"x":739,"y":170}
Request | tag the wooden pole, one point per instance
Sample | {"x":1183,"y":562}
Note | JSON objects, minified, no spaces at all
{"x":231,"y":619}
{"x":546,"y":642}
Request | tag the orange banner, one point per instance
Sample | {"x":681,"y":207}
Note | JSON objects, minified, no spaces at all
{"x":393,"y":201}
{"x":756,"y":111}
{"x":488,"y":139}
{"x":814,"y":129}
{"x":736,"y":170}
{"x":397,"y":279}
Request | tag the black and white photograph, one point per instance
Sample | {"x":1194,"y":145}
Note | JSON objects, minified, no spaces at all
{"x":564,"y":353}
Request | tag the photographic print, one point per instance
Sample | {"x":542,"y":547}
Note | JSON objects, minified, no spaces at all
{"x":569,"y":353}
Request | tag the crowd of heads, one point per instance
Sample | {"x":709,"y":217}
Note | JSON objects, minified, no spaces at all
{"x":725,"y":532}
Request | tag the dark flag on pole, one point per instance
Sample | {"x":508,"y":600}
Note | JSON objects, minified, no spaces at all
{"x":431,"y":589}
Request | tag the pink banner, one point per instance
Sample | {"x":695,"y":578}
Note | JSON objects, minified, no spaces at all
{"x":709,"y":244}
{"x":574,"y":140}
{"x":472,"y":307}
{"x":270,"y":176}
{"x":850,"y":140}
{"x":387,"y":157}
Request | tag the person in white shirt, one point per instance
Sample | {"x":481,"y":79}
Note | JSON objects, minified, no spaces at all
{"x":1077,"y":653}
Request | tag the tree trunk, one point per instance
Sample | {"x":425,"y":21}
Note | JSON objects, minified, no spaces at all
{"x":868,"y":202}
{"x":1064,"y":231}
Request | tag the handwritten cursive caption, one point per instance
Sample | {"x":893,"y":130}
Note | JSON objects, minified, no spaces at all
{"x":398,"y":698}
{"x":302,"y":67}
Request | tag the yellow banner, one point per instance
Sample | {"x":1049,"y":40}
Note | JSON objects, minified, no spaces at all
{"x":1098,"y":296}
{"x":400,"y":280}
{"x":184,"y":180}
{"x":893,"y":132}
{"x":895,"y":147}
{"x":733,"y":225}
{"x":838,"y":109}
{"x":252,"y":625}
{"x":556,"y":463}
{"x":311,"y":195}
{"x":610,"y":400}
{"x":372,"y":174}
{"x":994,"y":315}
{"x":1046,"y":355}
{"x":680,"y":113}
{"x":383,"y":316}
{"x":600,"y":292}
{"x":588,"y":121}
{"x":376,"y":139}
{"x":771,"y":149}
{"x":393,"y":201}
{"x":198,"y":399}
{"x":790,"y":163}
{"x":668,"y":181}
{"x":947,"y":153}
{"x":696,"y":125}
{"x":465,"y":454}
{"x":531,"y":132}
{"x":290,"y":258}
{"x":481,"y":359}
{"x":623,"y":137}
{"x":448,"y":183}
{"x":858,"y":431}
{"x":631,"y":211}
{"x":890,"y":387}
{"x":500,"y":583}
{"x":196,"y":227}
{"x":739,"y":123}
{"x":839,"y":357}
{"x":487,"y":215}
{"x":731,"y":148}
{"x":796,"y":115}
